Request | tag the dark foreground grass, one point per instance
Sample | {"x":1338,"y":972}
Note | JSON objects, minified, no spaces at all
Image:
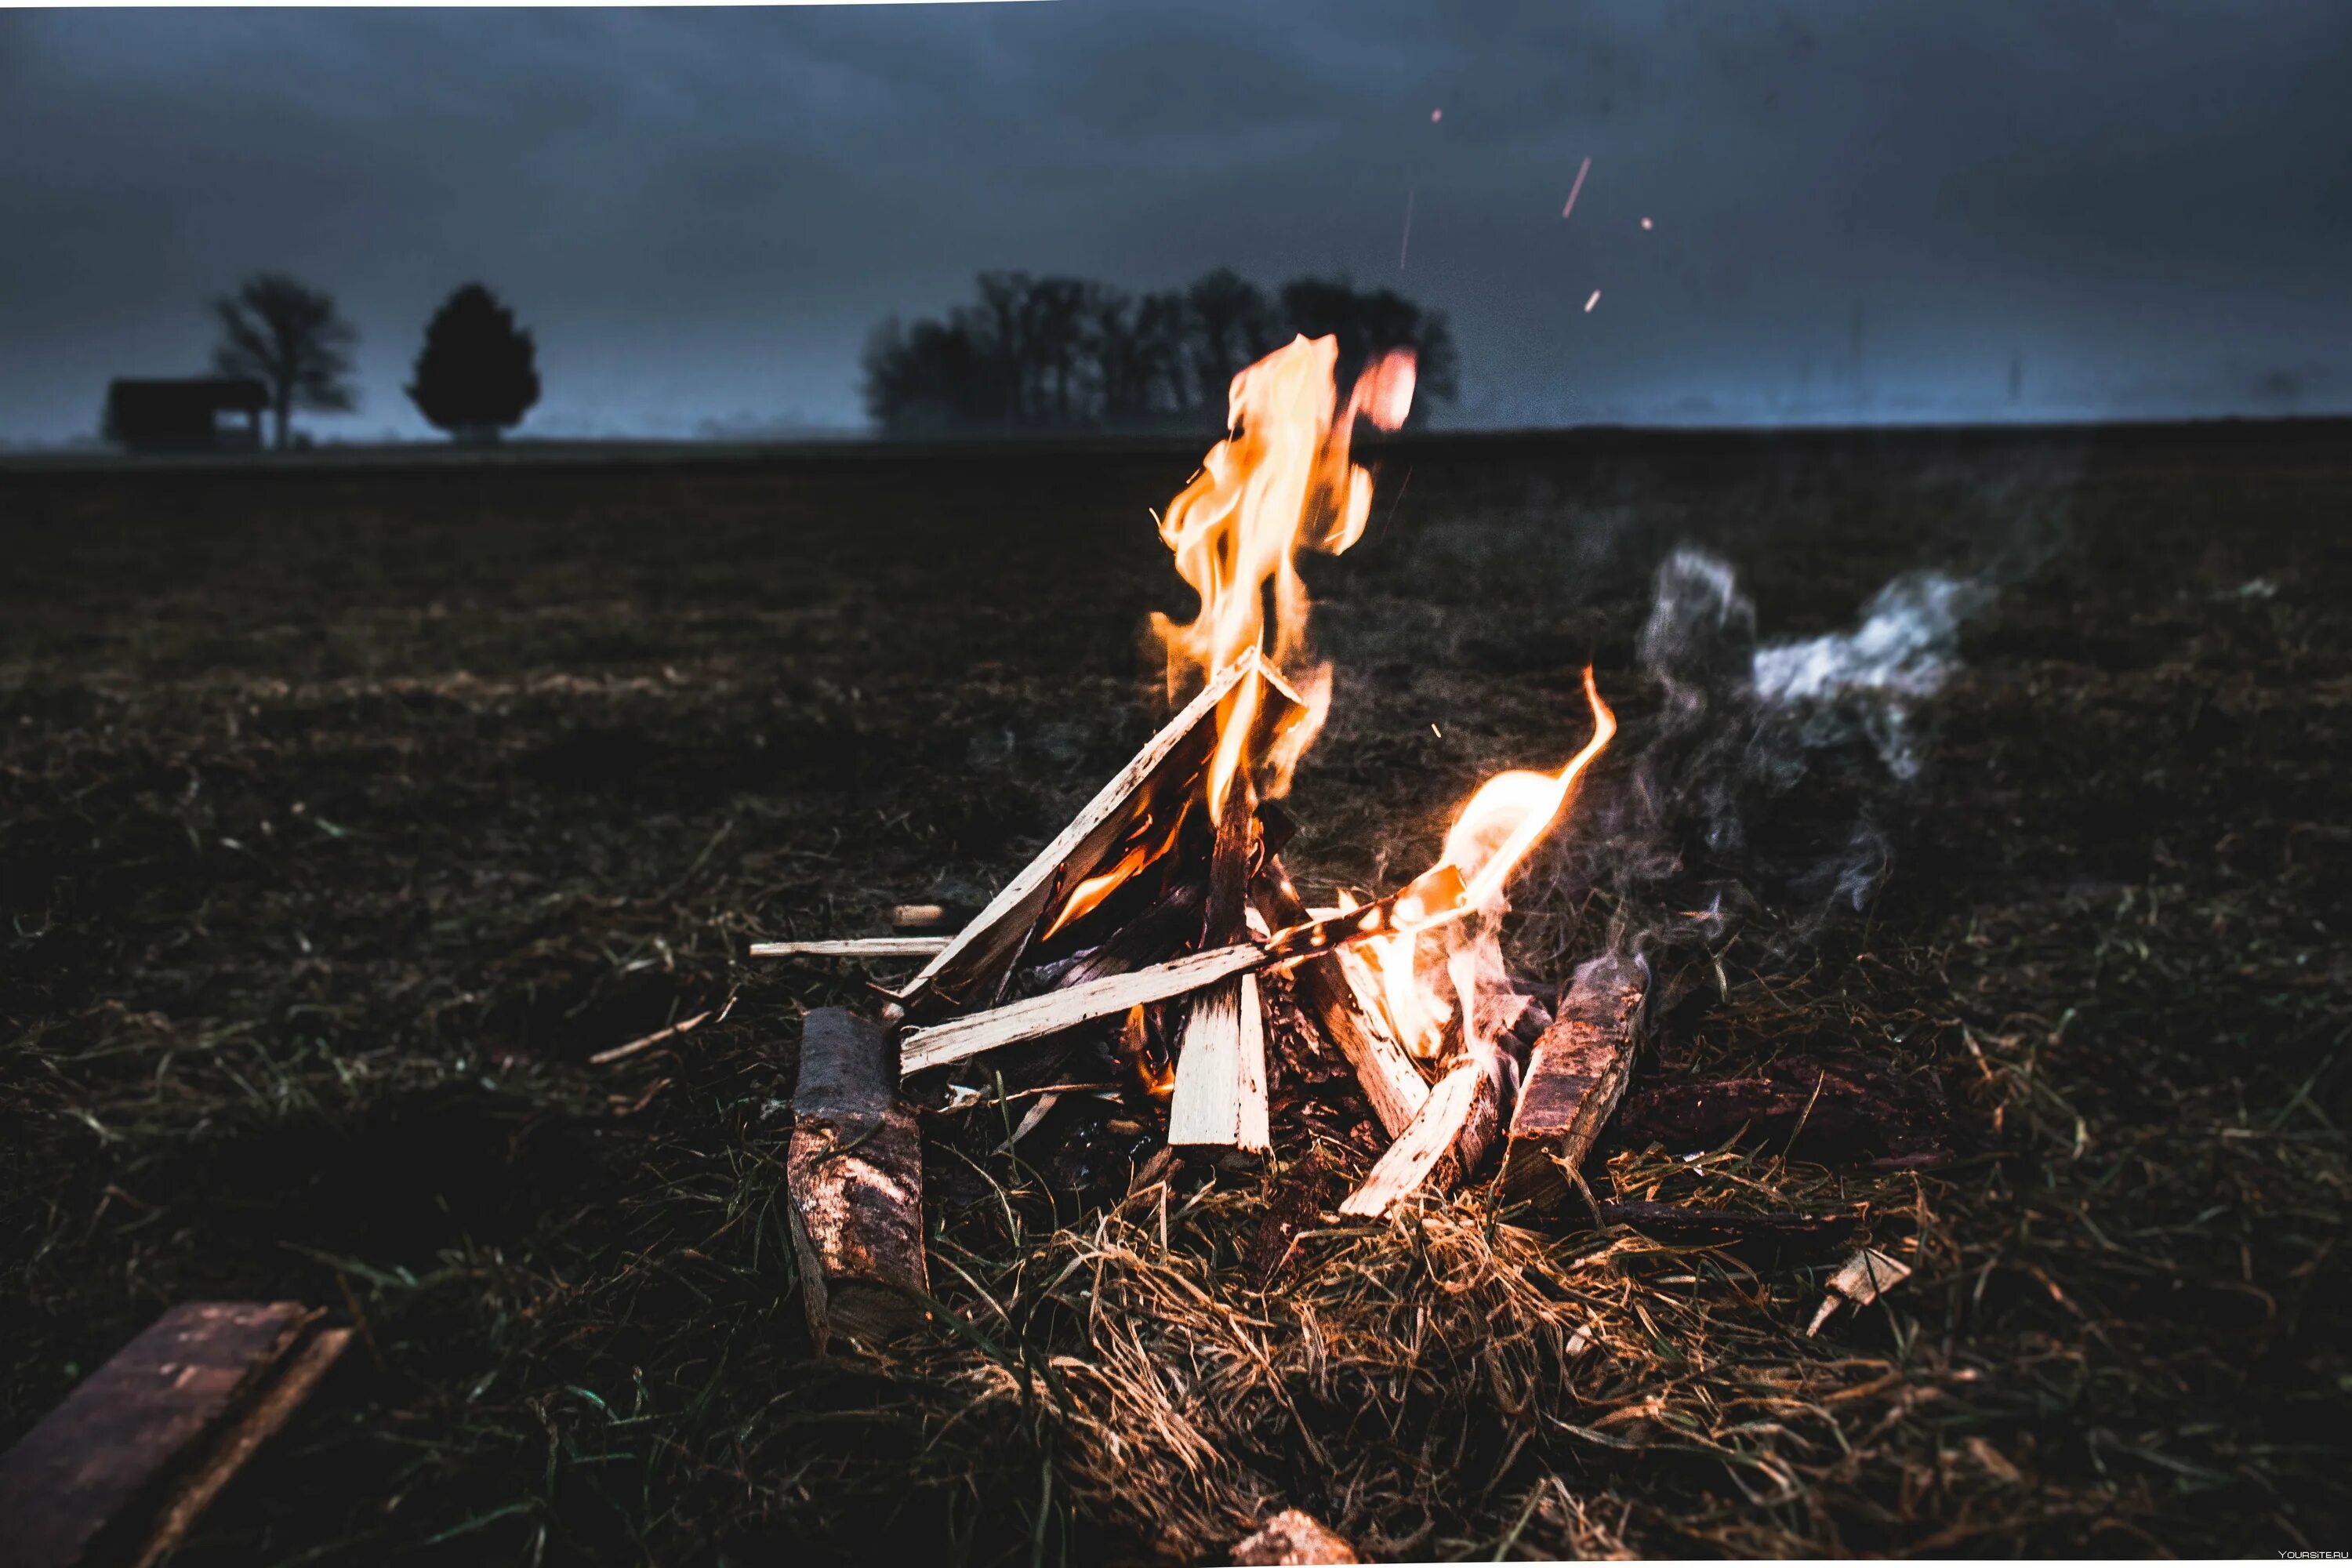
{"x":344,"y":815}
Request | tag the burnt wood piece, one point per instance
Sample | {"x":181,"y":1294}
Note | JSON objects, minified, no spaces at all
{"x":119,"y":1473}
{"x":1293,"y":1208}
{"x":1293,"y":1536}
{"x":1441,"y":1148}
{"x":1384,"y":1069}
{"x":1172,"y":922}
{"x":854,"y":1172}
{"x":1160,"y":778}
{"x":1833,"y":1108}
{"x":1575,"y":1074}
{"x":1764,"y":1240}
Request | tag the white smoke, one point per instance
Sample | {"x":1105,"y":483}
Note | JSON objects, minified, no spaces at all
{"x":1905,"y":648}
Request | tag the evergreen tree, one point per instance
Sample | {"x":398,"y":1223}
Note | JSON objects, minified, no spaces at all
{"x":478,"y":373}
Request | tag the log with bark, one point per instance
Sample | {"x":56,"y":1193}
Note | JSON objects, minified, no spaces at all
{"x":1575,"y":1074}
{"x":855,"y":1170}
{"x":1835,"y":1108}
{"x":1763,"y":1240}
{"x":118,"y":1473}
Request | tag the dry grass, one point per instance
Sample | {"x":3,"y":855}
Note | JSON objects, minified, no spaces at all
{"x":343,"y":817}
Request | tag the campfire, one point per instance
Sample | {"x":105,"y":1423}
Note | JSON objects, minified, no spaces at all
{"x":1160,"y":912}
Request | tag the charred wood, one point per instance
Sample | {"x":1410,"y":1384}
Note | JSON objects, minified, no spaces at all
{"x":1833,"y":1109}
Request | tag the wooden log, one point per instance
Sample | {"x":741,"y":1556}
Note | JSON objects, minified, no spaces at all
{"x":1293,"y":1536}
{"x":1033,"y":1017}
{"x":1833,"y":1107}
{"x":119,"y":1473}
{"x":855,"y":1170}
{"x":1441,"y":1148}
{"x":1575,"y":1076}
{"x":1161,"y":777}
{"x":1385,"y":1070}
{"x":855,"y":947}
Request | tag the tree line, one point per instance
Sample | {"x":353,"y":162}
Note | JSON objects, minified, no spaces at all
{"x":476,"y":376}
{"x":1066,"y":353}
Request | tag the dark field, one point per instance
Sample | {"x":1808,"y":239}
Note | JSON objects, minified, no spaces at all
{"x":346,"y":812}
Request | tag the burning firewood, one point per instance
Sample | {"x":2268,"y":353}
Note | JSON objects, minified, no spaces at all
{"x":1218,"y":1108}
{"x":856,"y":1174}
{"x":118,"y":1473}
{"x":1574,"y":1078}
{"x":1033,"y":1017}
{"x":1442,"y":1145}
{"x":1390,"y":1080}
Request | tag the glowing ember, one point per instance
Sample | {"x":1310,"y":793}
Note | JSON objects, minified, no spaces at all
{"x":1646,"y":223}
{"x":1581,"y":170}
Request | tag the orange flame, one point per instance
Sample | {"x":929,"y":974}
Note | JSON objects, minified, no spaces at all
{"x":1446,"y":964}
{"x":1279,"y":482}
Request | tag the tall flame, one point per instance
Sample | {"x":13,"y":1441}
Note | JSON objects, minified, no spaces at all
{"x":1280,"y":482}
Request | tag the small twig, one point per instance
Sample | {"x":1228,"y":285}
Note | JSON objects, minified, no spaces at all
{"x":656,"y":1038}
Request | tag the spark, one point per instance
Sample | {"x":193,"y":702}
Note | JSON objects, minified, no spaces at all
{"x":1594,"y":300}
{"x":1435,"y":730}
{"x":1435,"y":115}
{"x":1581,"y":170}
{"x":1406,"y":243}
{"x":1645,"y":222}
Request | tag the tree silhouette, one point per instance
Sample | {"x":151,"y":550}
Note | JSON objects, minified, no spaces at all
{"x":478,"y":373}
{"x":1065,"y":354}
{"x":290,"y":339}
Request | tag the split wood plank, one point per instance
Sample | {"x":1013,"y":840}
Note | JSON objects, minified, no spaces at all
{"x":1451,"y":1133}
{"x":118,"y":1473}
{"x":855,"y":1172}
{"x":1218,"y":1108}
{"x":975,"y":958}
{"x":1575,"y":1076}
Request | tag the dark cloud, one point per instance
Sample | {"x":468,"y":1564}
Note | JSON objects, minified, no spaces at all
{"x":1860,"y":210}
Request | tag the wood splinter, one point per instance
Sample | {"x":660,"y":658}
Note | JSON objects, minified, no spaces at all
{"x":1575,"y":1076}
{"x":854,"y":1172}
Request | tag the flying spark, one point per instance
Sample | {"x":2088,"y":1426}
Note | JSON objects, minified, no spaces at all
{"x":1406,"y":242}
{"x":1645,"y":222}
{"x":1594,"y":300}
{"x":1435,"y":115}
{"x":1581,"y":170}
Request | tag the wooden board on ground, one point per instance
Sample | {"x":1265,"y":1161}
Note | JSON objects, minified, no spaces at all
{"x":1575,"y":1076}
{"x":115,"y":1476}
{"x":854,"y":1172}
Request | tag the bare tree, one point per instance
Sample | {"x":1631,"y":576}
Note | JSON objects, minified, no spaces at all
{"x":291,"y":340}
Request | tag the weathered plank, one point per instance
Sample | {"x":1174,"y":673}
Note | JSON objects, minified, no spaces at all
{"x":855,"y":1170}
{"x":119,"y":1472}
{"x":1575,"y":1076}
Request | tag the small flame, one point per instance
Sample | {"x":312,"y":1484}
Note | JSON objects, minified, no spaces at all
{"x":1280,"y":482}
{"x":1154,"y":1074}
{"x":1441,"y":965}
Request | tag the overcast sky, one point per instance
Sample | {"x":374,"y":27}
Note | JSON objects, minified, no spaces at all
{"x":1874,"y":211}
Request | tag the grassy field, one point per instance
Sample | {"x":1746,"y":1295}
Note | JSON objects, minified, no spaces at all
{"x":346,"y":811}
